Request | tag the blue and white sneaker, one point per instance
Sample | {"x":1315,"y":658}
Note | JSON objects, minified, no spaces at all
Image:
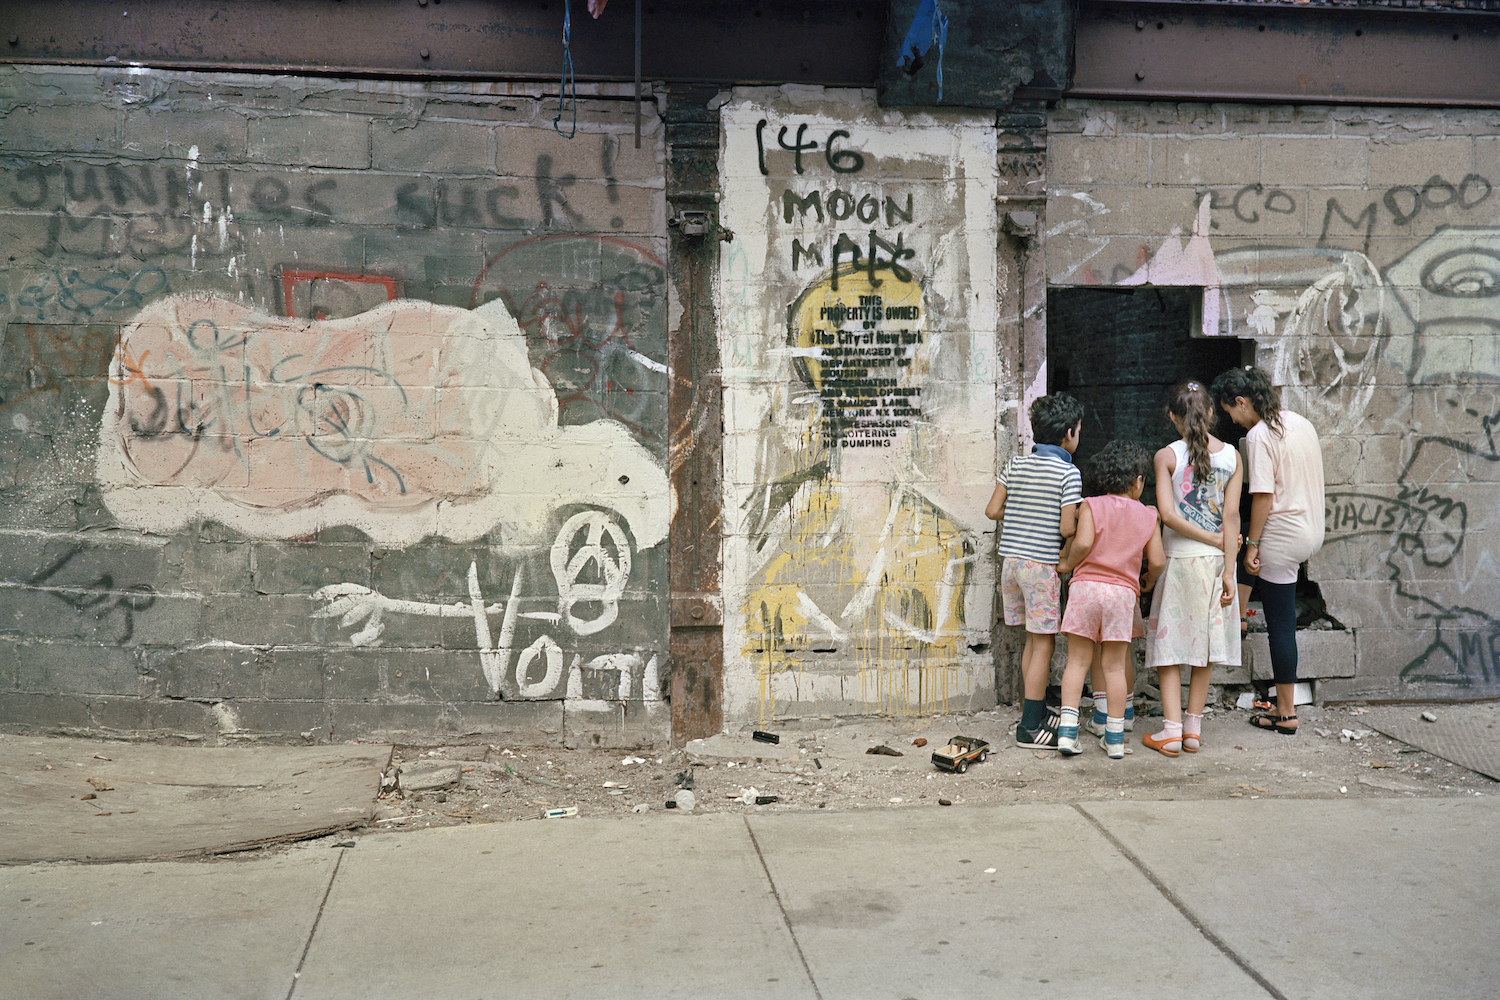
{"x":1116,"y":751}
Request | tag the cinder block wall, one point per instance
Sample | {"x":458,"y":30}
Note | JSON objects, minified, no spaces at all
{"x":329,"y":408}
{"x":1357,"y":247}
{"x":859,"y":326}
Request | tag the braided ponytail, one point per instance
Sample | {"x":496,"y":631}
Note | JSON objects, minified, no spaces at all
{"x":1190,"y":403}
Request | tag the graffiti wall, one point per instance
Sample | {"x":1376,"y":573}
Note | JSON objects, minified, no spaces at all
{"x":1360,"y":250}
{"x":336,"y":408}
{"x":857,"y":326}
{"x":330,"y":410}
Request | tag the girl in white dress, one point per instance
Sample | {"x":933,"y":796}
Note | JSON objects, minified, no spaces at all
{"x":1194,"y":610}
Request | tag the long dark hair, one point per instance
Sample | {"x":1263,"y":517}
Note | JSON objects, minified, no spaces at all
{"x":1253,"y":384}
{"x":1191,"y":403}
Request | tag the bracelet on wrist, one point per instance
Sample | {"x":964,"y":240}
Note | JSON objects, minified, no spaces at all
{"x":1253,"y":543}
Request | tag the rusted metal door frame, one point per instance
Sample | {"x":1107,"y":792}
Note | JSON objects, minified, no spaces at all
{"x":695,"y":418}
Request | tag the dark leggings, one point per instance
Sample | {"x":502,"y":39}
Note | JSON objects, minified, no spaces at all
{"x":1280,"y":603}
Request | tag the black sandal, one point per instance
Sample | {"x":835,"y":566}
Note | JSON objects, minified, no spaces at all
{"x":1276,"y":723}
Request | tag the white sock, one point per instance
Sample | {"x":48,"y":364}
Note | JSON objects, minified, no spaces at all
{"x":1067,"y":726}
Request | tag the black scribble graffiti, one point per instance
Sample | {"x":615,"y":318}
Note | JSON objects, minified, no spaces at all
{"x":597,"y":332}
{"x":841,"y":206}
{"x":768,"y":502}
{"x":895,"y":253}
{"x":1465,"y":647}
{"x":551,"y":195}
{"x":1427,"y":530}
{"x":118,"y":210}
{"x":1447,"y":286}
{"x":1402,"y":204}
{"x":97,"y":597}
{"x":840,"y":161}
{"x":91,"y":294}
{"x":272,"y":196}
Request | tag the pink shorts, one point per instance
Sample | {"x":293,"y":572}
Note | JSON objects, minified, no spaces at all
{"x":1101,"y":612}
{"x":1030,"y":591}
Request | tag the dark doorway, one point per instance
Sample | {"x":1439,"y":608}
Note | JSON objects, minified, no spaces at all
{"x":1119,"y":351}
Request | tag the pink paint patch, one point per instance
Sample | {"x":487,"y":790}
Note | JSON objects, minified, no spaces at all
{"x":275,"y":412}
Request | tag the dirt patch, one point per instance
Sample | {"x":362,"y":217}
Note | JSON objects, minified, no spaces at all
{"x":823,"y":764}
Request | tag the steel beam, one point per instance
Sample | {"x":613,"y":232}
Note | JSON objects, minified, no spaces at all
{"x":1159,"y":50}
{"x":829,"y":42}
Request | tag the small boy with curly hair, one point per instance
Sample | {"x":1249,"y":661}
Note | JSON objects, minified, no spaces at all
{"x":1036,"y":502}
{"x":1104,"y":594}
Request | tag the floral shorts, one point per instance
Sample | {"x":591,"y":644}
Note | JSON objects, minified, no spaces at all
{"x":1101,"y":612}
{"x":1031,"y":591}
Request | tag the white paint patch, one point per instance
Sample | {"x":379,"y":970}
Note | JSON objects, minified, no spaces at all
{"x":1096,"y":206}
{"x":815,"y":614}
{"x":226,"y":719}
{"x":839,"y":533}
{"x":1186,"y":263}
{"x":1100,"y":124}
{"x":1033,"y":392}
{"x":650,"y":364}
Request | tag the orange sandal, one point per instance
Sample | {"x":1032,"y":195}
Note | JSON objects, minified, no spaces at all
{"x":1191,"y":742}
{"x":1168,"y":746}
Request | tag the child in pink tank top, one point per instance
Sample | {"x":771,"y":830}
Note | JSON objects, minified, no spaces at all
{"x":1105,"y":559}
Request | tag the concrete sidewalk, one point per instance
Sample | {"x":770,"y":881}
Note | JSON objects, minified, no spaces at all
{"x":95,"y":800}
{"x":1315,"y":898}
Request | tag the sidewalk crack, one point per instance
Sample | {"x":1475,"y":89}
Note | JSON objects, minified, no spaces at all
{"x":313,"y":930}
{"x":1182,"y":907}
{"x":776,"y":894}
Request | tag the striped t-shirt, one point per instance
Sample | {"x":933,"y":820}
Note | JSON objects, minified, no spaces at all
{"x":1037,"y":487}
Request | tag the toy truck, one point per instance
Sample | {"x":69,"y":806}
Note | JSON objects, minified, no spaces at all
{"x":960,"y":752}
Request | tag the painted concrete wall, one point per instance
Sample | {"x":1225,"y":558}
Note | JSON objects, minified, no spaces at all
{"x":857,"y":323}
{"x":340,"y":408}
{"x":329,"y":407}
{"x":1360,"y":250}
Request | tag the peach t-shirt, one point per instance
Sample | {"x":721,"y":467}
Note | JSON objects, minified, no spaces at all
{"x":1122,"y":527}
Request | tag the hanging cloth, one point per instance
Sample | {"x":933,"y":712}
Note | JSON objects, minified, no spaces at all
{"x":928,"y":28}
{"x":567,"y":78}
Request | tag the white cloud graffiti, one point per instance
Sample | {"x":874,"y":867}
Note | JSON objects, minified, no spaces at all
{"x":407,"y":422}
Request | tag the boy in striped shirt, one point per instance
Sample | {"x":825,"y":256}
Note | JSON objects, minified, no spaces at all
{"x":1036,"y":502}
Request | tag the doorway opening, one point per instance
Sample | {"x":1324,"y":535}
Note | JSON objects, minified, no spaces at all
{"x":1119,"y":351}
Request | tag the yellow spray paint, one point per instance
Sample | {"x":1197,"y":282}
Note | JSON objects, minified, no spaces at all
{"x":854,"y":558}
